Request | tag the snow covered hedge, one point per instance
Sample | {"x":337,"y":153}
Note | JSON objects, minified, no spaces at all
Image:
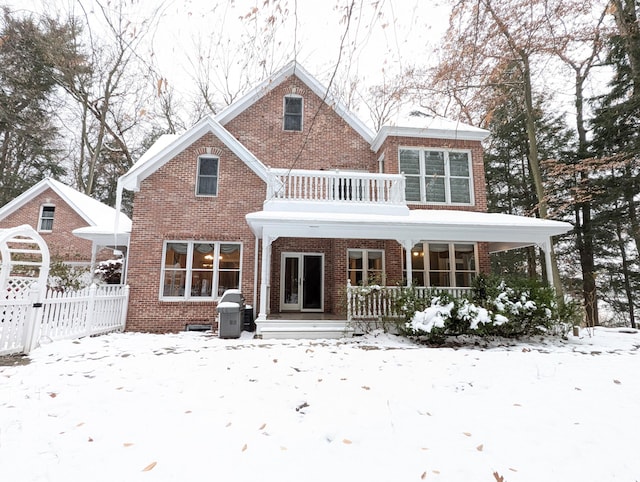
{"x":524,"y":307}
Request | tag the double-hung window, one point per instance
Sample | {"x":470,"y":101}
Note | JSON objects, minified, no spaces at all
{"x":293,"y":113}
{"x":365,"y":266}
{"x":45,"y":223}
{"x":437,"y":176}
{"x":196,"y":270}
{"x":443,"y":264}
{"x":207,"y":179}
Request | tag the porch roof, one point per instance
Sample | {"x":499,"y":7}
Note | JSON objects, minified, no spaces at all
{"x":501,"y":231}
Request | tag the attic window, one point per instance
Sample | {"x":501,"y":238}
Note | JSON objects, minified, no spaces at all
{"x":293,"y":113}
{"x":45,"y":223}
{"x":207,"y":176}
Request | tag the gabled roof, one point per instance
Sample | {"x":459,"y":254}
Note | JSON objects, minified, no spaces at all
{"x":92,"y":211}
{"x":293,"y":68}
{"x":419,"y":124}
{"x":168,"y":146}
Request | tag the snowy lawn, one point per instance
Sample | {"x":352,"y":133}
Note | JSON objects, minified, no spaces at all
{"x":191,"y":407}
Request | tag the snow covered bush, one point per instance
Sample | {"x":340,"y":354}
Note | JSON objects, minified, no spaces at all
{"x":110,"y":271}
{"x":495,"y":308}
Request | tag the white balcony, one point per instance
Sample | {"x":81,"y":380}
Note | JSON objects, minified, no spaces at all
{"x":335,"y":191}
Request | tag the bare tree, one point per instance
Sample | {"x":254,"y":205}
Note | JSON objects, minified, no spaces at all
{"x":111,"y":91}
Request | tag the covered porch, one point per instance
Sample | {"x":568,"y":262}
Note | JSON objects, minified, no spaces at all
{"x":406,"y":227}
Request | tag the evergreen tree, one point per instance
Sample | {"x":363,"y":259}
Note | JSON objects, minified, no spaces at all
{"x":509,"y":181}
{"x":27,"y":135}
{"x":616,"y":146}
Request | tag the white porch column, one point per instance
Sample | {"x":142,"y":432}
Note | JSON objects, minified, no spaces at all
{"x":408,"y":244}
{"x":546,"y":248}
{"x":94,"y":253}
{"x":265,"y":279}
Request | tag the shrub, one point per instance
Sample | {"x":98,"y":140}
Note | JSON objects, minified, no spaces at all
{"x":63,"y":276}
{"x":494,"y":308}
{"x":110,"y":271}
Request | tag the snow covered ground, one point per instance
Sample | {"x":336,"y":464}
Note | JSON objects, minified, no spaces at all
{"x":191,"y":407}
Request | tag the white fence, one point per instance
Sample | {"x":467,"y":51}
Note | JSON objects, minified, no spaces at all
{"x":25,"y":319}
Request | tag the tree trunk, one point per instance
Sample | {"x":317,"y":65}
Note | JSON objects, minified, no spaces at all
{"x":584,"y":225}
{"x":625,"y":273}
{"x":535,"y":167}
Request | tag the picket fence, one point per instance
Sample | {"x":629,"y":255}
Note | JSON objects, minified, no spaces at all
{"x":27,"y":320}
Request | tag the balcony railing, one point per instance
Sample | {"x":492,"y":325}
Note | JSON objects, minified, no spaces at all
{"x":342,"y":186}
{"x":380,"y":303}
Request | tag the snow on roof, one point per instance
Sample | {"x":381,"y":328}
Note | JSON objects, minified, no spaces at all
{"x":415,"y":123}
{"x":92,"y":211}
{"x":168,"y":146}
{"x":161,"y":143}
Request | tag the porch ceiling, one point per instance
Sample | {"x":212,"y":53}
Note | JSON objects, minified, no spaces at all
{"x":501,"y":231}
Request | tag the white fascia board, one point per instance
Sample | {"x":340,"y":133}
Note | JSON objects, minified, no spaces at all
{"x":19,"y":201}
{"x":453,"y":134}
{"x":131,"y":180}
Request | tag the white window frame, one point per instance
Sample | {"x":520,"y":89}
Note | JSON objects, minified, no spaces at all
{"x":426,"y":271}
{"x":41,"y":218}
{"x":189,"y":270}
{"x":217,"y":176}
{"x":284,"y":112}
{"x":365,"y":265}
{"x":447,"y":175}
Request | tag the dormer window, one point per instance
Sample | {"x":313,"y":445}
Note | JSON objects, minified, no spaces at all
{"x":45,"y":223}
{"x":293,"y":113}
{"x":207,"y":182}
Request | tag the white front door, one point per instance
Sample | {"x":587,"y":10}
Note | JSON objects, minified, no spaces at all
{"x":302,"y":282}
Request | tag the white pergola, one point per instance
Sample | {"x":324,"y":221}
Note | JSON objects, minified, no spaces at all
{"x":501,"y":231}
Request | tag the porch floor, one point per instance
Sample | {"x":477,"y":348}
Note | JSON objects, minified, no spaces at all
{"x":297,"y":315}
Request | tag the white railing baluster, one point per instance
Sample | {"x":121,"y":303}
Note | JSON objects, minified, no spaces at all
{"x":344,"y":186}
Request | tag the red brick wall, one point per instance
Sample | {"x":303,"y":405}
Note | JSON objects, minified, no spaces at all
{"x":326,"y":141}
{"x":392,"y":165}
{"x":166,"y":208}
{"x":63,"y":245}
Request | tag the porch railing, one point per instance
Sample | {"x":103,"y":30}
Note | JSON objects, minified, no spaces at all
{"x":379,"y":303}
{"x":343,"y":186}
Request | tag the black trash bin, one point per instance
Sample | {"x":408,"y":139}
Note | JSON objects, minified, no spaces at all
{"x":230,"y":314}
{"x":249,"y":323}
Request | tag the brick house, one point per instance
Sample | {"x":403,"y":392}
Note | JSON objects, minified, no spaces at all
{"x":75,"y":226}
{"x":289,"y":197}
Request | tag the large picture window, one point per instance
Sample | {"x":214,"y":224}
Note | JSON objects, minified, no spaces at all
{"x":443,"y":264}
{"x":293,"y":113}
{"x":365,"y":266}
{"x":437,"y":176}
{"x":193,"y":270}
{"x":45,"y":223}
{"x":207,"y":184}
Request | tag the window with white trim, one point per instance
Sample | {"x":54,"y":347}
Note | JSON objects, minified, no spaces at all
{"x":45,"y":222}
{"x":197,"y":270}
{"x":207,"y":179}
{"x":443,"y":264}
{"x":437,"y":176}
{"x":293,"y":107}
{"x":365,"y":266}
